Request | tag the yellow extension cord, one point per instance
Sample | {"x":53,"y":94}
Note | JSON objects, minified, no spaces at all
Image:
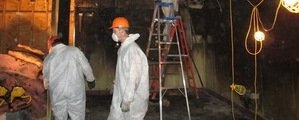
{"x":256,"y":21}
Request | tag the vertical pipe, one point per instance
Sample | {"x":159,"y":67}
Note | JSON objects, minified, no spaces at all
{"x":63,"y":19}
{"x":18,"y":23}
{"x":32,"y":22}
{"x":80,"y":21}
{"x":160,"y":65}
{"x":47,"y":15}
{"x":54,"y":17}
{"x":72,"y":14}
{"x":4,"y":25}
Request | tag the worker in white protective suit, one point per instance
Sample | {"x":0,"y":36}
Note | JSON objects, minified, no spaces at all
{"x":131,"y":85}
{"x":65,"y":68}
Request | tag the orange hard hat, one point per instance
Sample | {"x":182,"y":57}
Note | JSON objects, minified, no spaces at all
{"x":120,"y":22}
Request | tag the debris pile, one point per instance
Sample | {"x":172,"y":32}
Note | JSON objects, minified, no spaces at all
{"x":21,"y":84}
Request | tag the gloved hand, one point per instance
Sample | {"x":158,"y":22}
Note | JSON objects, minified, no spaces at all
{"x":125,"y":106}
{"x":91,"y":85}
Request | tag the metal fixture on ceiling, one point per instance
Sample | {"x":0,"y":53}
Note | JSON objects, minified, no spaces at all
{"x":87,"y":8}
{"x":80,"y":21}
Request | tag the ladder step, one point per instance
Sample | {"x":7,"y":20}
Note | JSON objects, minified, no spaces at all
{"x":157,"y":49}
{"x":176,"y":55}
{"x":165,"y":20}
{"x":168,"y":43}
{"x":169,"y":62}
{"x":170,"y":18}
{"x":161,"y":34}
{"x":166,"y":4}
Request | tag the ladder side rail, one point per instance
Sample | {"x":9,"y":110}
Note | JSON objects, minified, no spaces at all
{"x":152,"y":29}
{"x":169,"y":40}
{"x":183,"y":74}
{"x":187,"y":60}
{"x":160,"y":65}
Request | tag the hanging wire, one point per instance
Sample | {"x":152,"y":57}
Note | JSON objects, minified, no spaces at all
{"x":220,"y":8}
{"x":253,"y":20}
{"x":255,"y":81}
{"x":232,"y":57}
{"x":256,"y":21}
{"x":274,"y":20}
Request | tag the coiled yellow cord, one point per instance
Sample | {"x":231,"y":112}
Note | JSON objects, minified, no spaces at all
{"x":257,"y":22}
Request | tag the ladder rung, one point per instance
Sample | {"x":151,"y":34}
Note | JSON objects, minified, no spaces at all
{"x":164,"y":20}
{"x":168,"y":43}
{"x":156,"y":34}
{"x":171,"y":62}
{"x":157,"y":49}
{"x":170,"y":18}
{"x":171,"y":88}
{"x":177,"y":55}
{"x":166,"y":4}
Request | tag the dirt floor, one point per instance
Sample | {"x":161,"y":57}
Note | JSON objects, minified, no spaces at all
{"x":206,"y":107}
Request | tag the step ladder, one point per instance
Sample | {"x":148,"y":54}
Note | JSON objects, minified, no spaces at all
{"x":167,"y":31}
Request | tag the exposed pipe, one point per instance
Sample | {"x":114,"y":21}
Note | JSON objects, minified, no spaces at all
{"x":18,"y":14}
{"x":33,"y":22}
{"x":197,"y":72}
{"x":80,"y":21}
{"x":47,"y":16}
{"x":3,"y":20}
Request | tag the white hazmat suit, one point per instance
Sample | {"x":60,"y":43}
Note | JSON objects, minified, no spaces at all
{"x":64,"y":70}
{"x":131,"y":83}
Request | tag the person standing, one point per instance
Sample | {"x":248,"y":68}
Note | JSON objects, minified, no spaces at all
{"x":64,"y":70}
{"x":131,"y":84}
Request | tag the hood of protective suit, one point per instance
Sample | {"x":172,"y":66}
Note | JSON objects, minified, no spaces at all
{"x":130,"y":39}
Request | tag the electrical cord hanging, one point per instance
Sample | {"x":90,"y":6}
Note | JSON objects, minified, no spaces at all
{"x":274,"y":20}
{"x":256,"y":21}
{"x":255,"y":81}
{"x":253,"y":20}
{"x":232,"y":57}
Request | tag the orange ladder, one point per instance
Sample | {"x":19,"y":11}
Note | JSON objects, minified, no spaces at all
{"x":160,"y":53}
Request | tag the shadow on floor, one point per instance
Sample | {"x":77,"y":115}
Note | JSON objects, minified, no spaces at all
{"x":206,"y":107}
